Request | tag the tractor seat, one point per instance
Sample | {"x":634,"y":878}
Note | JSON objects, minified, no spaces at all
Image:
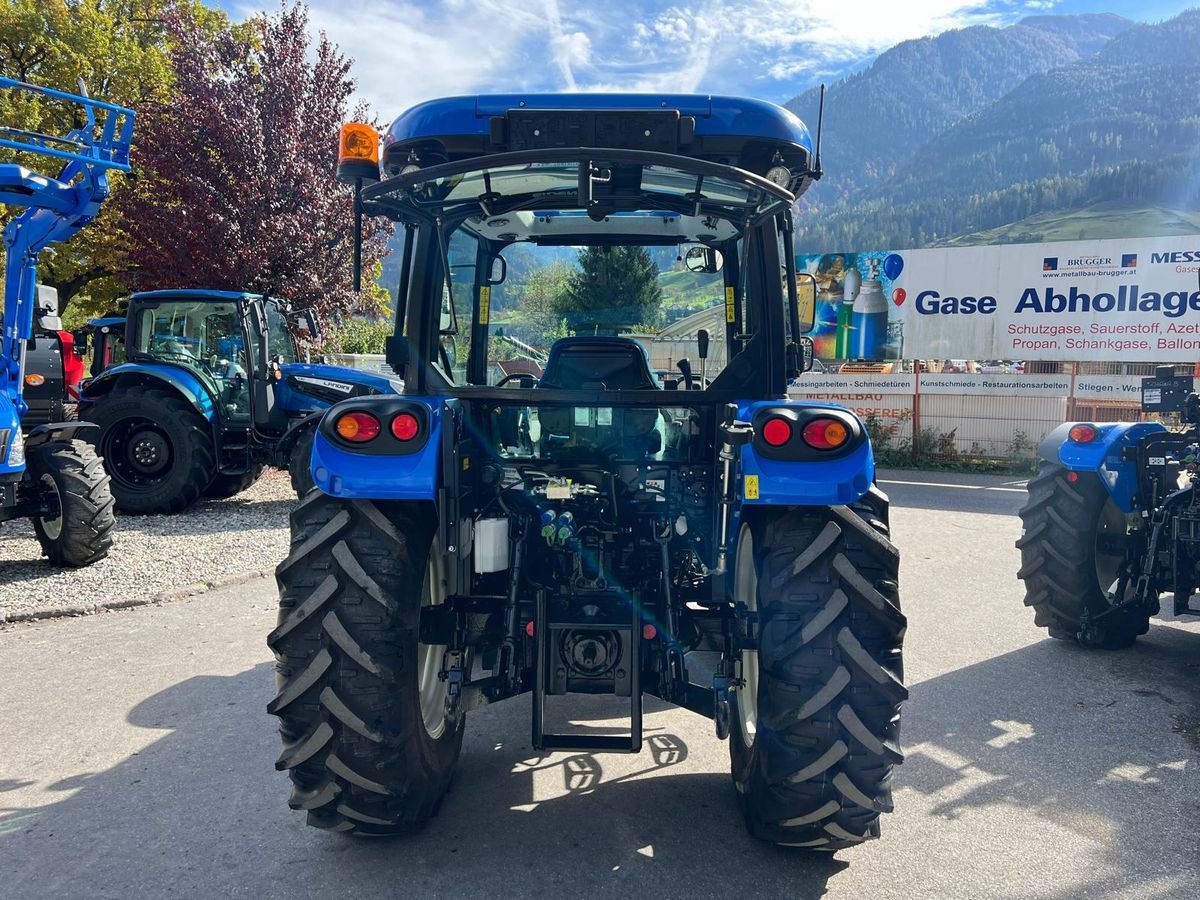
{"x":597,"y":363}
{"x":606,"y":364}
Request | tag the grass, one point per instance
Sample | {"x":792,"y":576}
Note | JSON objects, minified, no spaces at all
{"x":1100,"y":221}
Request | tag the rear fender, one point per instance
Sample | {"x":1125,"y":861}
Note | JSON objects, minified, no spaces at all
{"x":833,"y":479}
{"x":1102,"y":457}
{"x":384,"y":469}
{"x":183,"y":382}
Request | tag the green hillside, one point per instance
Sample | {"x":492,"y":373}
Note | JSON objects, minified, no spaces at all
{"x":1100,"y":221}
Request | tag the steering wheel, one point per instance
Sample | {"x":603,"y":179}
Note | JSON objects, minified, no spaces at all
{"x":527,"y":381}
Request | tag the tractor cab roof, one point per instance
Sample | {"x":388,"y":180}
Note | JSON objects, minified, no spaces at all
{"x":751,"y":135}
{"x":193,"y":294}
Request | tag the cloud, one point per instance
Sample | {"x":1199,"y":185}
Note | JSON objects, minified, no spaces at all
{"x":406,"y":51}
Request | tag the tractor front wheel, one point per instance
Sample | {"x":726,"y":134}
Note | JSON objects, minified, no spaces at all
{"x":158,"y":449}
{"x":816,"y":714}
{"x":368,"y":737}
{"x":300,"y":463}
{"x":223,"y":485}
{"x":77,"y":527}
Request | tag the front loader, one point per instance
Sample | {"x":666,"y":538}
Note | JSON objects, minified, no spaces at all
{"x":53,"y":475}
{"x":540,"y":514}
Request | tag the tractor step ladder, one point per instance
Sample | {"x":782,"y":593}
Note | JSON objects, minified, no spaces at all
{"x":547,"y":634}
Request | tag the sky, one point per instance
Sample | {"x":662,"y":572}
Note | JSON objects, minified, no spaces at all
{"x":406,"y":51}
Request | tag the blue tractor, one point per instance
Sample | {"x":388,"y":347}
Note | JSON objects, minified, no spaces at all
{"x":576,"y":524}
{"x":211,"y":391}
{"x":1113,"y":521}
{"x":53,"y":475}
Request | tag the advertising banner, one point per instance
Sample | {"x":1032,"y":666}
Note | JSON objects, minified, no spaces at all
{"x":1133,"y":299}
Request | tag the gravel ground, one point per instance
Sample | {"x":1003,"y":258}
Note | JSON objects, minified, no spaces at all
{"x":216,"y":542}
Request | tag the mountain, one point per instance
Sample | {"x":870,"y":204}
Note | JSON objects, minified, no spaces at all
{"x":878,"y":118}
{"x":1120,"y":127}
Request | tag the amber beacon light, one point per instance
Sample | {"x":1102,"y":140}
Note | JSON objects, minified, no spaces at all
{"x":358,"y":152}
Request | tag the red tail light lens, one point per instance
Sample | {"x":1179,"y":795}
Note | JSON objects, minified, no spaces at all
{"x":1083,"y":434}
{"x":405,"y":427}
{"x":777,"y":432}
{"x":825,"y":434}
{"x":358,"y":427}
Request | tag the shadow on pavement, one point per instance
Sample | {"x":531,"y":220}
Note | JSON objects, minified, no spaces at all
{"x":200,"y":812}
{"x":1087,"y":741}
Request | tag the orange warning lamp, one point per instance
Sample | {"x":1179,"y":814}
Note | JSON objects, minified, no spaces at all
{"x":358,"y":153}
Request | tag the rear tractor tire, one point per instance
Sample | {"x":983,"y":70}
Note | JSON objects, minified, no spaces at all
{"x":157,"y":448}
{"x":71,"y":472}
{"x":367,"y":740}
{"x":816,"y":716}
{"x":1072,"y":551}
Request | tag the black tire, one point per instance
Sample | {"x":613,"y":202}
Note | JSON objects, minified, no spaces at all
{"x":70,"y":412}
{"x":182,"y":462}
{"x":1063,"y":562}
{"x":299,"y":460}
{"x":231,"y":485}
{"x":358,"y":750}
{"x":816,"y":773}
{"x":82,"y":533}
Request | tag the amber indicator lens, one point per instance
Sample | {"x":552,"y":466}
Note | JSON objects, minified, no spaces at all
{"x":34,"y":380}
{"x":777,"y":432}
{"x":1083,"y":434}
{"x":825,"y":434}
{"x":405,"y":427}
{"x":358,"y":427}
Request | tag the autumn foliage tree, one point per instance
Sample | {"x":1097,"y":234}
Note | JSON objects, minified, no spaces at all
{"x":242,"y":194}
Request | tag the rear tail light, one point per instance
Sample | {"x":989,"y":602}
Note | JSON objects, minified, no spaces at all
{"x":777,"y":432}
{"x":825,"y":434}
{"x":405,"y":427}
{"x":1083,"y":434}
{"x":358,"y":427}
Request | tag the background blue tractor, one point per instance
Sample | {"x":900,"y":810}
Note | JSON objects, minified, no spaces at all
{"x":52,"y":475}
{"x":1113,"y":521}
{"x":575,"y":524}
{"x":209,"y":392}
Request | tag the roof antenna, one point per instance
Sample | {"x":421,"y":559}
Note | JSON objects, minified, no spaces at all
{"x":817,"y":172}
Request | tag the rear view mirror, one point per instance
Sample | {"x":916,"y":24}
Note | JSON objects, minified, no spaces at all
{"x":702,"y":259}
{"x":806,"y":354}
{"x":806,"y":299}
{"x":305,"y":324}
{"x":80,"y":339}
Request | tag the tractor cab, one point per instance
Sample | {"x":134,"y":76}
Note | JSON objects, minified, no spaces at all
{"x":105,"y":338}
{"x":234,"y":344}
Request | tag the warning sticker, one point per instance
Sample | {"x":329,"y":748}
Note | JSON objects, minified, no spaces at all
{"x":750,"y":487}
{"x":730,"y":305}
{"x":485,"y":304}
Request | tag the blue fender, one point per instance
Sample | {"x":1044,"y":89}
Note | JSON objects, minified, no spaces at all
{"x":369,"y":475}
{"x":184,"y":382}
{"x":1102,"y":457}
{"x":836,"y":481}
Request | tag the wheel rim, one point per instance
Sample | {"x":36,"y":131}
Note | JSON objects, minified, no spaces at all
{"x":432,"y":690}
{"x":138,"y":453}
{"x":52,"y":527}
{"x":1112,"y":538}
{"x":745,"y":590}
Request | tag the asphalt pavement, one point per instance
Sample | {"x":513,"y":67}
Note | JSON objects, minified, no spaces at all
{"x":136,"y":761}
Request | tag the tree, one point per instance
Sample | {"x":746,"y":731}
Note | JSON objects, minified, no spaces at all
{"x":119,"y":50}
{"x":614,"y":289}
{"x":244,"y":195}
